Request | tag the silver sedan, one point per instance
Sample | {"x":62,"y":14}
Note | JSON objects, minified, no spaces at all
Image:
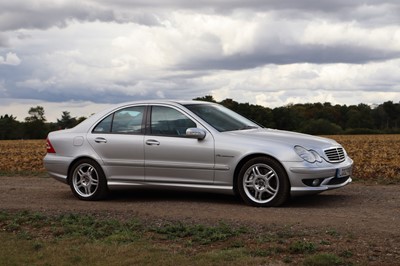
{"x":192,"y":145}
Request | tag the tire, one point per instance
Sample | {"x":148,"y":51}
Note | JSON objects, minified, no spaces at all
{"x":87,"y":180}
{"x":262,"y":182}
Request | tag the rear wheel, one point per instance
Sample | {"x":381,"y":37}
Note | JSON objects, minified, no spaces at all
{"x":263,"y":182}
{"x":87,"y":180}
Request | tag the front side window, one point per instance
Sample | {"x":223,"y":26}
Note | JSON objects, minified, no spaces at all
{"x":125,"y":121}
{"x":169,"y":122}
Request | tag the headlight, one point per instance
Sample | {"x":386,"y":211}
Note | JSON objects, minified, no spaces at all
{"x":310,"y":156}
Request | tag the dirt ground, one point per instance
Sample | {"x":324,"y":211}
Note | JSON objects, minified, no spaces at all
{"x":370,"y":212}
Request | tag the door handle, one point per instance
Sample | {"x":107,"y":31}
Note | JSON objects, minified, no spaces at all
{"x":152,"y":142}
{"x":100,"y":140}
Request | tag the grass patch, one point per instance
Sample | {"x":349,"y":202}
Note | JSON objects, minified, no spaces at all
{"x":66,"y":239}
{"x":200,"y":234}
{"x":323,"y":260}
{"x":302,"y":247}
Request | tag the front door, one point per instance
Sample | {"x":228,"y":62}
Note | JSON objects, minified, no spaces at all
{"x":170,"y":157}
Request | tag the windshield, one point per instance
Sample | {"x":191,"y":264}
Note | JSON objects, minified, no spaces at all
{"x":221,"y":118}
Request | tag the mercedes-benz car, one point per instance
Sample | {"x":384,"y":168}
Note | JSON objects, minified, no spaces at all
{"x":192,"y":145}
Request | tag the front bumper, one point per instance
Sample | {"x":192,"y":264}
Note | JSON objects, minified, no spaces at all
{"x":308,"y":179}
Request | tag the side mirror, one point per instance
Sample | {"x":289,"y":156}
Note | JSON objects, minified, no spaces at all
{"x":195,"y":133}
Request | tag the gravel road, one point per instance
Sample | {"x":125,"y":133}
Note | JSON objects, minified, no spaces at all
{"x":357,"y":207}
{"x":370,"y":214}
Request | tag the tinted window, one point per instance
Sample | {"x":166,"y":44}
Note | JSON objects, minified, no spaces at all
{"x":125,"y":121}
{"x":105,"y":125}
{"x":169,"y":122}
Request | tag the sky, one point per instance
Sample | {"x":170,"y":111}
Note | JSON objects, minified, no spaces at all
{"x":84,"y":55}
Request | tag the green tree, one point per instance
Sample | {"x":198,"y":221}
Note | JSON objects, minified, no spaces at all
{"x":257,"y":113}
{"x":381,"y":119}
{"x":287,"y":118}
{"x":392,"y":110}
{"x":80,"y":119}
{"x":66,"y":121}
{"x":36,"y":114}
{"x":320,"y":127}
{"x":207,"y":98}
{"x":359,"y":116}
{"x":10,"y":128}
{"x":35,"y":126}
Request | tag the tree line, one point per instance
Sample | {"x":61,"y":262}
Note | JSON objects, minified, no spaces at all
{"x":35,"y":126}
{"x":310,"y":118}
{"x":322,"y":118}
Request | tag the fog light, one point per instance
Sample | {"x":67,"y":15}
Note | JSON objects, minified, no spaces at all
{"x":316,"y":182}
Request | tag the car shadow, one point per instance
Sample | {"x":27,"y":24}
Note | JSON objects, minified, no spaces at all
{"x":166,"y":195}
{"x":319,"y":201}
{"x":158,"y":195}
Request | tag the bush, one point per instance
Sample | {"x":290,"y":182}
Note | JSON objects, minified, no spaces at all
{"x":320,"y":127}
{"x":362,"y":131}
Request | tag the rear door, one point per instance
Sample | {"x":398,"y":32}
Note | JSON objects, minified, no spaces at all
{"x":118,"y":140}
{"x":170,"y":156}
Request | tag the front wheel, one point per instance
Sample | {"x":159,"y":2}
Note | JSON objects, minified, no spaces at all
{"x":263,"y":182}
{"x":87,"y":180}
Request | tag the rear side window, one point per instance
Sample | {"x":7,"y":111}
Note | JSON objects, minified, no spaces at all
{"x":124,"y":121}
{"x":104,"y":126}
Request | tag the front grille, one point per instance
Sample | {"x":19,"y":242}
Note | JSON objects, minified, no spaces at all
{"x":335,"y":155}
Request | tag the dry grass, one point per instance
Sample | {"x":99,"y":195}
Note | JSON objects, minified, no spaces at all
{"x":376,"y":157}
{"x":22,"y":156}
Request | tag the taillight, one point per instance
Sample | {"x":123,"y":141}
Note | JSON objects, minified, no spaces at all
{"x":49,"y":147}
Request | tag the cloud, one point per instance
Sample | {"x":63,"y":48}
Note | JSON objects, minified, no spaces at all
{"x":46,"y":14}
{"x":10,"y":59}
{"x":260,"y":51}
{"x":59,"y":13}
{"x":267,"y":39}
{"x":19,"y":108}
{"x":337,"y":83}
{"x":3,"y":40}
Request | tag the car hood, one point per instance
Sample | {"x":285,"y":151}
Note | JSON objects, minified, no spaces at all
{"x":287,"y":137}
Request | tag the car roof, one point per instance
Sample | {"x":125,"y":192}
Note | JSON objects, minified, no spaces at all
{"x":85,"y":125}
{"x":163,"y":101}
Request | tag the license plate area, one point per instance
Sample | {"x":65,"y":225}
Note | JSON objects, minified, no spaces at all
{"x":343,"y":172}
